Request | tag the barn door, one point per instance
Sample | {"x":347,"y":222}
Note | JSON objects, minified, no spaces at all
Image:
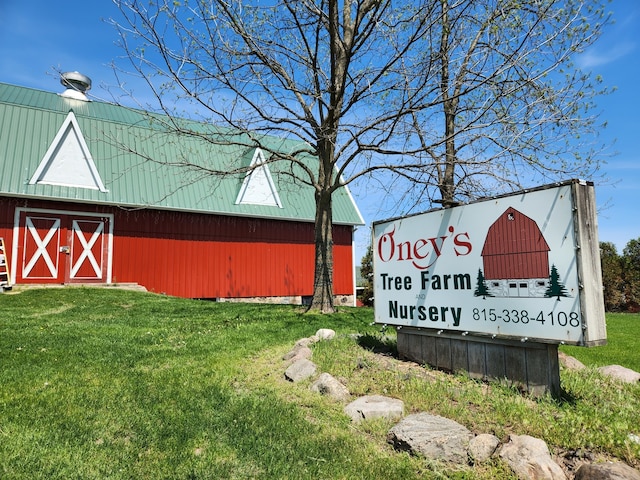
{"x":40,"y":246}
{"x":87,"y":256}
{"x":63,"y":247}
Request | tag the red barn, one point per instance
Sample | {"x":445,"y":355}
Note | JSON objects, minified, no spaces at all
{"x":515,"y":256}
{"x":78,"y":206}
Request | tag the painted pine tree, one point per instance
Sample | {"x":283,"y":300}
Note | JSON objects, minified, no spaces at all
{"x":556,"y":288}
{"x":481,"y":286}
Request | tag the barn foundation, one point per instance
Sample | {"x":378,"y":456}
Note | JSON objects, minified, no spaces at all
{"x":530,"y":366}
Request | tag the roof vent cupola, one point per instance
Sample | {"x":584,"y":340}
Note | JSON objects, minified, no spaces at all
{"x":77,"y":85}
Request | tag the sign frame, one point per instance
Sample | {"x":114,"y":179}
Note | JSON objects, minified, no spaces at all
{"x":523,"y":266}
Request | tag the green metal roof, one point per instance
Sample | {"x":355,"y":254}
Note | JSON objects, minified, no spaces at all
{"x":31,"y":119}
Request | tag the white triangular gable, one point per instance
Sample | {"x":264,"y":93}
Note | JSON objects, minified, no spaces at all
{"x":258,"y":187}
{"x":68,"y":161}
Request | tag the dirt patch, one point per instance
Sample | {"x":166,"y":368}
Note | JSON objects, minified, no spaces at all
{"x":406,"y":367}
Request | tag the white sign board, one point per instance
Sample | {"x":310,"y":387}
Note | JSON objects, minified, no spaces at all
{"x":509,"y":266}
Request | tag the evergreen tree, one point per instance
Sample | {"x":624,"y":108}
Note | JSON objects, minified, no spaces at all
{"x":556,"y":287}
{"x":612,"y":278}
{"x":481,"y":287}
{"x":631,"y":275}
{"x":366,"y":272}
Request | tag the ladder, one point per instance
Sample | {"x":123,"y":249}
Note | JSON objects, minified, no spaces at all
{"x":5,"y":278}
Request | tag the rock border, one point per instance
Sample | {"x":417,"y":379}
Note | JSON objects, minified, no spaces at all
{"x":442,"y":439}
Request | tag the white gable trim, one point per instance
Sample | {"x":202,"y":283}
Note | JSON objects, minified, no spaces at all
{"x":258,"y":187}
{"x":68,"y":161}
{"x":353,"y":202}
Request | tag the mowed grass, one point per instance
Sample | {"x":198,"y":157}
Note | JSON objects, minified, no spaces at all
{"x":623,"y":344}
{"x":101,"y":383}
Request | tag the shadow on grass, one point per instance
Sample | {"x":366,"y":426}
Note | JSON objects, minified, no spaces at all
{"x":386,"y":345}
{"x":379,"y":344}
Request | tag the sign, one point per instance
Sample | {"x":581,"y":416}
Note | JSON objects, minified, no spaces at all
{"x":516,"y":266}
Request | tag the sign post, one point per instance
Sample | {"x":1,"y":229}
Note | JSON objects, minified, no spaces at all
{"x":493,"y":287}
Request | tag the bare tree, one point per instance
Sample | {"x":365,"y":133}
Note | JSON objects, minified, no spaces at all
{"x":444,"y":94}
{"x":514,"y":110}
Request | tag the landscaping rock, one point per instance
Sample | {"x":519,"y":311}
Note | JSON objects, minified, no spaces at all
{"x":300,"y":370}
{"x":305,"y":342}
{"x":530,"y":459}
{"x":325,"y":334}
{"x":299,"y":352}
{"x":569,"y":362}
{"x":328,"y":385}
{"x":375,"y":406}
{"x":621,"y":373}
{"x":482,"y":447}
{"x":432,"y":436}
{"x":607,"y":471}
{"x":301,"y":348}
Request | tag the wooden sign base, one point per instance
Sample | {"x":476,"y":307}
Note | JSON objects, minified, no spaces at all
{"x":532,"y":367}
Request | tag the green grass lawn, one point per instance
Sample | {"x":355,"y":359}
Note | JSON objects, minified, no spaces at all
{"x":101,"y":383}
{"x":623,"y":344}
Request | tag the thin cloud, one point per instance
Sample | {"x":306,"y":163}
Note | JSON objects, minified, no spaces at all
{"x":633,"y":164}
{"x":597,"y":57}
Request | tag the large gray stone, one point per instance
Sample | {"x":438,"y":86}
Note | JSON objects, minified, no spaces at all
{"x":530,"y":459}
{"x":621,"y":373}
{"x":328,"y":385}
{"x":432,"y":436}
{"x":375,"y":406}
{"x":607,"y":471}
{"x":300,"y":370}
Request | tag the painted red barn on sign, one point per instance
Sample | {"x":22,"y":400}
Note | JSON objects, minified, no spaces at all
{"x":515,"y":256}
{"x":78,"y":206}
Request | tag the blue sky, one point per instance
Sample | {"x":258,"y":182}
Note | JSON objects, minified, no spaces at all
{"x":40,"y":37}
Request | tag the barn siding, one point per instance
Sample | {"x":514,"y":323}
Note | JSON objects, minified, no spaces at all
{"x":209,"y":256}
{"x":516,"y":266}
{"x":515,"y":248}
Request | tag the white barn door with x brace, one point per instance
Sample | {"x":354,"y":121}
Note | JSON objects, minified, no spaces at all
{"x":54,"y":246}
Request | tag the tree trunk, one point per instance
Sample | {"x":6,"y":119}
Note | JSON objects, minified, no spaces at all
{"x":323,"y":278}
{"x":447,"y":186}
{"x":449,"y":103}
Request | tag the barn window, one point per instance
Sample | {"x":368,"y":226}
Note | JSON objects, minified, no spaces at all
{"x":523,"y":285}
{"x":541,"y":283}
{"x":510,"y":216}
{"x":496,"y":284}
{"x":512,"y":285}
